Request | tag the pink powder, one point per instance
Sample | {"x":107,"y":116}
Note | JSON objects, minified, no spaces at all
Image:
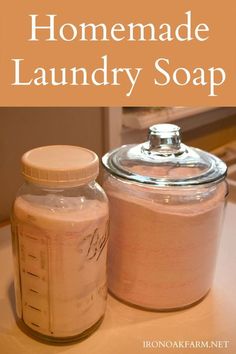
{"x":162,"y":255}
{"x":62,"y":264}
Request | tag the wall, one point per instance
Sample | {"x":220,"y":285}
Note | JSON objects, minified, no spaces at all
{"x":212,"y":136}
{"x":207,"y":131}
{"x":22,"y":129}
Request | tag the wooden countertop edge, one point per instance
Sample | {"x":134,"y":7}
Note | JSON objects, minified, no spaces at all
{"x":5,"y":223}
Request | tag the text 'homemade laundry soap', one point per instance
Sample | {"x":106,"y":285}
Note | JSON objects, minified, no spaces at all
{"x":166,"y":206}
{"x":59,"y":227}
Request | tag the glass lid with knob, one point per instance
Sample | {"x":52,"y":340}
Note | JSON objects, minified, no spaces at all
{"x":164,"y":160}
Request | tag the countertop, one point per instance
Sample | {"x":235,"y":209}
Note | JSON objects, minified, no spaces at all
{"x":124,"y":328}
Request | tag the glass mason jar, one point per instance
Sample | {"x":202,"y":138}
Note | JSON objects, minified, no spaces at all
{"x":166,"y":208}
{"x":59,"y":228}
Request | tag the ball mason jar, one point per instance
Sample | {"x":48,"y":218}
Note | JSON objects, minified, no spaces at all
{"x":59,"y":228}
{"x":166,"y":209}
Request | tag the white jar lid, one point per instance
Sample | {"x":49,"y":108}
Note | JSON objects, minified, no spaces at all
{"x":60,"y":166}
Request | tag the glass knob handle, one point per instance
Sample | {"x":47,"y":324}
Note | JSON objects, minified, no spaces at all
{"x":164,"y":140}
{"x":164,"y":135}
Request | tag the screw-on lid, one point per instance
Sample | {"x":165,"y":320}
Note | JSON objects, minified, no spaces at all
{"x":164,"y":161}
{"x":60,"y":166}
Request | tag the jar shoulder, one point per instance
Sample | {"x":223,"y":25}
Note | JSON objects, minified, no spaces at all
{"x":165,"y":195}
{"x":56,"y":197}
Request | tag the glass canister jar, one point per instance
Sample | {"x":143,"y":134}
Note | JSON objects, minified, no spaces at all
{"x":166,"y":208}
{"x":59,"y":228}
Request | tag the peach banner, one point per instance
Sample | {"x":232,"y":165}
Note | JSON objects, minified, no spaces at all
{"x":128,"y":53}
